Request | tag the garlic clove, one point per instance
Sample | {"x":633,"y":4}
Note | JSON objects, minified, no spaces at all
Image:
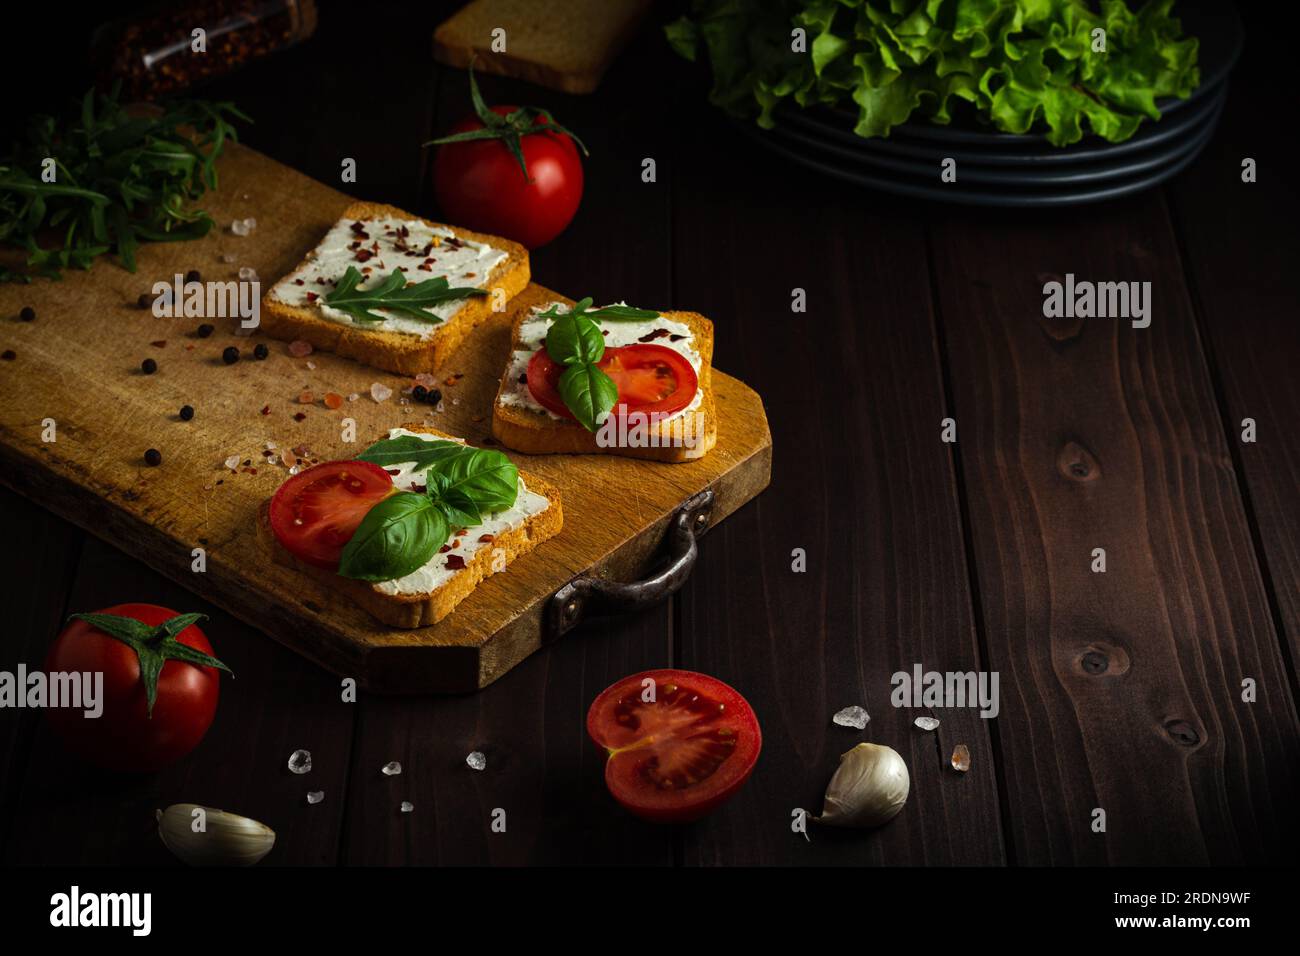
{"x":869,"y":788}
{"x":202,"y":836}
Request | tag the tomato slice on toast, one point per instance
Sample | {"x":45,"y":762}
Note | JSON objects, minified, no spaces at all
{"x":316,"y":512}
{"x":652,"y":379}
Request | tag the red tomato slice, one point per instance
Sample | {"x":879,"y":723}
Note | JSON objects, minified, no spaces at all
{"x":652,"y":379}
{"x":681,"y":756}
{"x":315,"y":513}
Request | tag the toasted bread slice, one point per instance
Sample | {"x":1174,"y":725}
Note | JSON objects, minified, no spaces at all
{"x":408,"y":610}
{"x":520,"y":424}
{"x":564,"y":44}
{"x":403,"y":352}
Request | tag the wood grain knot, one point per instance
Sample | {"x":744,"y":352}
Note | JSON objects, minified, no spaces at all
{"x":1098,"y":659}
{"x":1077,"y":463}
{"x":1182,"y":733}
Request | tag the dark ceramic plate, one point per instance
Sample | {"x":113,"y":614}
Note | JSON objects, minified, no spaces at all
{"x":1026,"y":196}
{"x":851,"y":158}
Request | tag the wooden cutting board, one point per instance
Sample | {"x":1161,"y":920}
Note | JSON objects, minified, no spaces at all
{"x":76,"y":369}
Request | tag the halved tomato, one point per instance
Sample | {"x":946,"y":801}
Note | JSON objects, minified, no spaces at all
{"x":315,"y":513}
{"x":680,"y":743}
{"x":652,"y":379}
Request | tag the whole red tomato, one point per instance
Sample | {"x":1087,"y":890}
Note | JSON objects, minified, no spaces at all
{"x":127,"y":736}
{"x":509,"y":171}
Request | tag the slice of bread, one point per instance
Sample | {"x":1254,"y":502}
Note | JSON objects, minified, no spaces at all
{"x":536,"y":432}
{"x":430,"y":607}
{"x":563,"y":44}
{"x":400,"y":352}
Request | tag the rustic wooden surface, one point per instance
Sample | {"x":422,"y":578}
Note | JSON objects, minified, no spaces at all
{"x":966,"y":556}
{"x":90,"y":332}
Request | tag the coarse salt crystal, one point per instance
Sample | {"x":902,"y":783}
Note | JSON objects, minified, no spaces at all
{"x":380,"y":392}
{"x":311,"y":366}
{"x":855,"y":717}
{"x":239,"y":227}
{"x":476,"y":761}
{"x":232,"y":462}
{"x":407,"y":806}
{"x":425,"y":379}
{"x":250,"y":223}
{"x":227,"y":258}
{"x":961,"y":758}
{"x":926,"y":723}
{"x":391,"y":769}
{"x":247,"y":274}
{"x":300,"y":761}
{"x":315,"y":796}
{"x":354,"y":396}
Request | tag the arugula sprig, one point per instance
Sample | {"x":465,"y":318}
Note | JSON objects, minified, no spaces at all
{"x":509,"y":127}
{"x":120,"y":180}
{"x":403,"y":531}
{"x":394,"y":295}
{"x":575,"y":341}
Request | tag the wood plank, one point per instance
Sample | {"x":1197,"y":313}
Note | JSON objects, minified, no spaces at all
{"x":1120,"y":690}
{"x":861,"y":483}
{"x":90,"y":333}
{"x":1238,"y":243}
{"x":44,"y":563}
{"x":67,"y":812}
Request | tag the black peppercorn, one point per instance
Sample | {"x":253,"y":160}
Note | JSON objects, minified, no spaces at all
{"x":187,"y":412}
{"x":28,"y":314}
{"x":260,"y":351}
{"x":434,"y":396}
{"x":420,"y":393}
{"x":193,"y":276}
{"x":231,"y":355}
{"x":145,"y":300}
{"x":148,"y":366}
{"x":153,"y":457}
{"x":204,"y":330}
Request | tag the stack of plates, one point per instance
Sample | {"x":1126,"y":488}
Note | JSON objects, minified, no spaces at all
{"x":1003,"y":169}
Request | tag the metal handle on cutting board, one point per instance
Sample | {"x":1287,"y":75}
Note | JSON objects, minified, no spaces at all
{"x":569,"y":604}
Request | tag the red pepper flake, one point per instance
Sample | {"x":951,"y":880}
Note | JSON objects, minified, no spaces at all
{"x":393,"y":471}
{"x":486,"y":538}
{"x":675,"y":338}
{"x":455,"y":544}
{"x":470,"y":275}
{"x":444,"y":549}
{"x":299,"y":416}
{"x":8,"y":355}
{"x":299,"y":282}
{"x":425,"y":267}
{"x":455,"y":562}
{"x":252,"y":471}
{"x":266,"y":409}
{"x":312,"y":297}
{"x":453,"y":379}
{"x":656,"y":334}
{"x":306,"y":398}
{"x":159,"y":344}
{"x":362,"y":255}
{"x":333,"y":400}
{"x":462,"y":531}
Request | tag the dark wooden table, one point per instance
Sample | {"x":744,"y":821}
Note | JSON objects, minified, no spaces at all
{"x":1120,"y":691}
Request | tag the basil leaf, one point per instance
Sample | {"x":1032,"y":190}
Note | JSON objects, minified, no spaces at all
{"x":482,"y":480}
{"x":623,"y":313}
{"x":408,"y":449}
{"x":574,"y":339}
{"x":394,"y":295}
{"x":588,"y":392}
{"x":397,"y":536}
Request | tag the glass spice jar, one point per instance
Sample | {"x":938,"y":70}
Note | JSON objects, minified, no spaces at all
{"x":154,"y":53}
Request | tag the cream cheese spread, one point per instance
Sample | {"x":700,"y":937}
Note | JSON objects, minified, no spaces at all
{"x":435,"y":572}
{"x":376,"y":247}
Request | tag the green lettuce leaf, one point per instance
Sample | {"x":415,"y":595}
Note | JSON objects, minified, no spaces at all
{"x":1017,"y":65}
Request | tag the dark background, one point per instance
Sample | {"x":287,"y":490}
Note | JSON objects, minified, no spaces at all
{"x":973,"y":557}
